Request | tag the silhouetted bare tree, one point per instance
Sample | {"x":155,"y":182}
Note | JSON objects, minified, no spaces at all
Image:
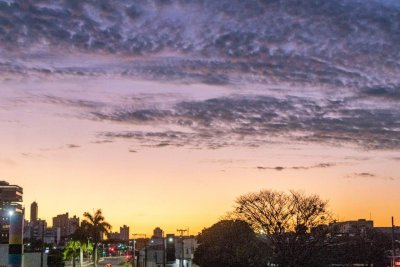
{"x":289,"y":223}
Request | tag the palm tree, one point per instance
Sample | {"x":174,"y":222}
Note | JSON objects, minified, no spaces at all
{"x":95,"y":226}
{"x":71,"y":251}
{"x":82,"y":237}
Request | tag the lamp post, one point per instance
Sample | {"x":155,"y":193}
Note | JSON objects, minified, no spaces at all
{"x":42,"y":250}
{"x":393,"y":244}
{"x":181,"y":231}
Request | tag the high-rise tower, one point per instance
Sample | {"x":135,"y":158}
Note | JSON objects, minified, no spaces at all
{"x":34,"y":211}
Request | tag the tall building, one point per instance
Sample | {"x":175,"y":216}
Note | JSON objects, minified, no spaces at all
{"x":34,"y":211}
{"x":67,"y":225}
{"x":157,"y":232}
{"x":61,"y":221}
{"x":124,"y":233}
{"x":10,"y":196}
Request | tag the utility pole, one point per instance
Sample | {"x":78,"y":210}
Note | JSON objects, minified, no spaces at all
{"x":145,"y":251}
{"x":41,"y":253}
{"x":163,"y":244}
{"x":181,"y":231}
{"x":393,"y":243}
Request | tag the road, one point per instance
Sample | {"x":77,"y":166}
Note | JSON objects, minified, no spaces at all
{"x":114,"y":261}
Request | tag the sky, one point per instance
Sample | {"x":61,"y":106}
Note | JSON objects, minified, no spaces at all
{"x":68,"y":161}
{"x":164,"y":123}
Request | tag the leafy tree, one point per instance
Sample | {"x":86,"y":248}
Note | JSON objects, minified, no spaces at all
{"x":287,"y":222}
{"x":230,"y":243}
{"x":95,"y":225}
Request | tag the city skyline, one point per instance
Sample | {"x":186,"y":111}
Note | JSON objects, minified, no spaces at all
{"x":162,"y":113}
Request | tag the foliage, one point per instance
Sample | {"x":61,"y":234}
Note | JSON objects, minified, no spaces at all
{"x":229,"y":243}
{"x":71,"y":251}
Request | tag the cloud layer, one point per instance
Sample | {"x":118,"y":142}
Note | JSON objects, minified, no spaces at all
{"x":259,"y":120}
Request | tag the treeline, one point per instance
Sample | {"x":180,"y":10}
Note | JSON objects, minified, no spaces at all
{"x":270,"y":228}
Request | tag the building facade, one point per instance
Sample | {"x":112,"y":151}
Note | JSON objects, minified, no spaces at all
{"x":352,"y":227}
{"x":67,"y":225}
{"x":37,"y":229}
{"x":124,"y":233}
{"x":10,"y":196}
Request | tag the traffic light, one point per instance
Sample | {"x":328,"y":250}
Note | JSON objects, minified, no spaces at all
{"x":170,"y":248}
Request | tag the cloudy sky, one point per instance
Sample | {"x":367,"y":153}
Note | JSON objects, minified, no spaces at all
{"x":163,"y":112}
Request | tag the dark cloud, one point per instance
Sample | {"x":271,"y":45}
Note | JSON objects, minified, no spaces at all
{"x":69,"y":146}
{"x":79,"y":103}
{"x":312,"y":42}
{"x":357,"y":158}
{"x":73,"y":146}
{"x":389,"y":91}
{"x":102,"y":141}
{"x":368,"y":175}
{"x":281,"y":168}
{"x":259,"y":120}
{"x":31,"y":155}
{"x":364,"y":174}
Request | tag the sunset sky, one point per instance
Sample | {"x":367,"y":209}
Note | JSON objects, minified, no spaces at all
{"x":169,"y":133}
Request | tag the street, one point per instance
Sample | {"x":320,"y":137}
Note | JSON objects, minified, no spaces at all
{"x":114,"y":261}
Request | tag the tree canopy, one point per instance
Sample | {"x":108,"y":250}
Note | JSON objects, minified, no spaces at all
{"x":229,"y":243}
{"x":289,"y":224}
{"x":272,"y":212}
